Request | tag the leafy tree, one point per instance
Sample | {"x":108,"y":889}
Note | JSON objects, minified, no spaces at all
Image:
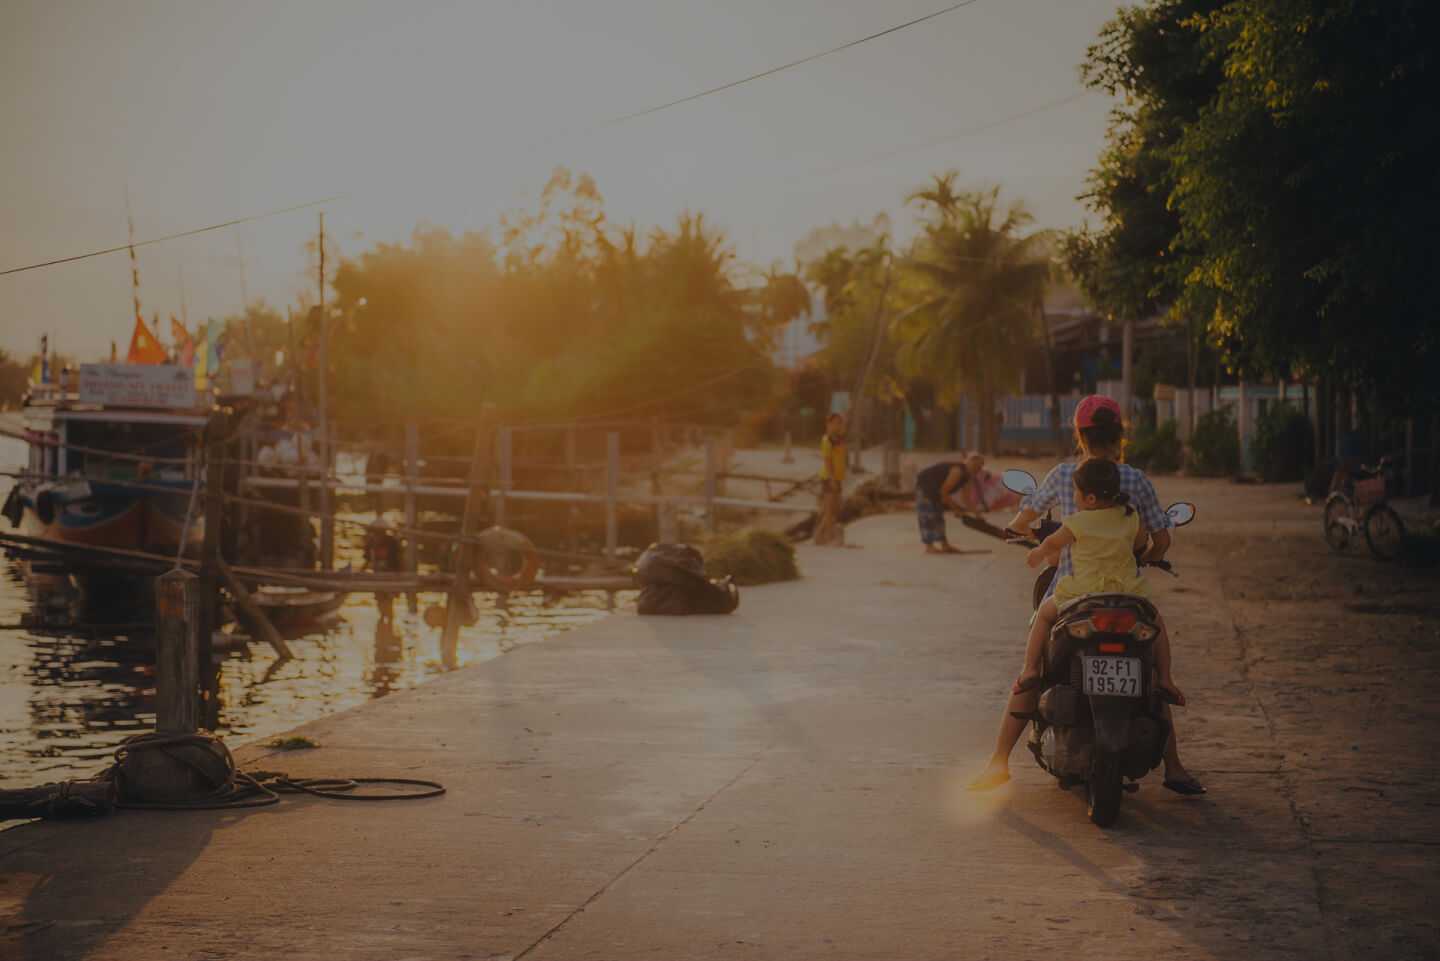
{"x":14,"y":379}
{"x":1271,"y":175}
{"x":566,"y":316}
{"x":1309,"y":190}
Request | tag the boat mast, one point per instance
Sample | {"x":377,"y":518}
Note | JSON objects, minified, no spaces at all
{"x":134,"y":262}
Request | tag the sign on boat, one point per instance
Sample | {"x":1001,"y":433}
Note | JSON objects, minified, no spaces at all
{"x":159,"y":386}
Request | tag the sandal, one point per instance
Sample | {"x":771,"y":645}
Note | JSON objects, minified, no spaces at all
{"x":989,"y":780}
{"x":1187,"y":786}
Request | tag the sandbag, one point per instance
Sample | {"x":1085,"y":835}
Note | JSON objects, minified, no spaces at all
{"x":673,"y":583}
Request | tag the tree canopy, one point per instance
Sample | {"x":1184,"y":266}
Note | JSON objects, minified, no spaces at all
{"x":567,"y":315}
{"x":1271,"y":171}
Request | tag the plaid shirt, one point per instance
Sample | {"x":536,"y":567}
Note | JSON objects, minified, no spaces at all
{"x":1058,"y":490}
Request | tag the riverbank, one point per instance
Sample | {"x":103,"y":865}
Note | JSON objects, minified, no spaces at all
{"x":788,"y":782}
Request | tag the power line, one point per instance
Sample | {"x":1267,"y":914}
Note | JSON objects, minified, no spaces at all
{"x":623,"y":118}
{"x":614,"y":121}
{"x":176,"y":236}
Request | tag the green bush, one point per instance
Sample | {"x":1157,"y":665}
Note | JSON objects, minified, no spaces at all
{"x":1283,"y":448}
{"x":1214,"y":447}
{"x":751,"y":556}
{"x":1156,"y":451}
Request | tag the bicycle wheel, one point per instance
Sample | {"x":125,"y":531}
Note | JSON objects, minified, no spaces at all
{"x":1339,"y":517}
{"x":1384,"y":531}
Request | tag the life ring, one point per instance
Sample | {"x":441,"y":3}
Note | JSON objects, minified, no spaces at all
{"x":496,"y":539}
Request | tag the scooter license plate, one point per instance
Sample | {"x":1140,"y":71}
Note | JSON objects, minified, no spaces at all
{"x":1112,"y":676}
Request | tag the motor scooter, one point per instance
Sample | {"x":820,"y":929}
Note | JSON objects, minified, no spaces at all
{"x":1100,"y":720}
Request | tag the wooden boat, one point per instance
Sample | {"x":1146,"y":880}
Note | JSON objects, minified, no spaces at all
{"x":111,"y":474}
{"x":292,"y":608}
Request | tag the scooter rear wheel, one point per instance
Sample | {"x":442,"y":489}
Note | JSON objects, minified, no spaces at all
{"x":1103,"y":791}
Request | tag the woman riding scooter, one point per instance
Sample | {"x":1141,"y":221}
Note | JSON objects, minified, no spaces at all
{"x":1099,"y":433}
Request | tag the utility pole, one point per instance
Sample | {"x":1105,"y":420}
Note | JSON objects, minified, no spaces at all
{"x":327,"y":519}
{"x":859,"y":405}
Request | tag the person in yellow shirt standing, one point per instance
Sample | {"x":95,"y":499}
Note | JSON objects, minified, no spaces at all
{"x":832,"y":482}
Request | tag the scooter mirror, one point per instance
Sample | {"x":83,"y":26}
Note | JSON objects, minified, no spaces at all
{"x":1181,"y":513}
{"x":1019,"y":481}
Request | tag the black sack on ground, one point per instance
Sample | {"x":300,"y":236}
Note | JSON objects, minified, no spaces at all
{"x":673,"y":582}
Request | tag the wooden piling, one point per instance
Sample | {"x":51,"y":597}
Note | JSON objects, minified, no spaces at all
{"x":253,"y":613}
{"x":459,"y":602}
{"x":327,"y":500}
{"x":506,"y":443}
{"x":612,"y":491}
{"x":412,"y":477}
{"x":177,"y":656}
{"x":711,"y":470}
{"x":573,"y":544}
{"x":412,"y":510}
{"x":209,"y":613}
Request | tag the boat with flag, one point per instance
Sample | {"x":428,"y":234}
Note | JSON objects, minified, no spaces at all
{"x":113,"y":459}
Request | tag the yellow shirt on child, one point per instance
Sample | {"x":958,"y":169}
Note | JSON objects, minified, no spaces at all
{"x":832,"y":460}
{"x":1103,"y":554}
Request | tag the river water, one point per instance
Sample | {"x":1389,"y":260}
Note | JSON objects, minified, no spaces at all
{"x":72,"y":690}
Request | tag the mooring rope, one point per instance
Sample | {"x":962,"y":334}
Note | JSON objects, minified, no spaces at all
{"x":210,"y":761}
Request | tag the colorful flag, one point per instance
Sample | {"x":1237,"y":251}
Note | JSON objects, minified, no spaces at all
{"x":202,"y":358}
{"x":184,"y":346}
{"x":214,"y":345}
{"x":144,"y":348}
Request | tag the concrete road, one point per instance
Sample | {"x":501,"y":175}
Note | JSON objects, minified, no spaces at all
{"x":783,"y":783}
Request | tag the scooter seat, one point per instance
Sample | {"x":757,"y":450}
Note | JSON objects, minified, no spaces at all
{"x":1084,"y":602}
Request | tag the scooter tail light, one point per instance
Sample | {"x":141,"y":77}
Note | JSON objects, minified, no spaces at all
{"x":1080,"y":630}
{"x":1112,"y":647}
{"x":1118,"y":621}
{"x":1145,"y":632}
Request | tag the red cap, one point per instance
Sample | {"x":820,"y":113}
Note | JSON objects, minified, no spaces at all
{"x":1085,"y":410}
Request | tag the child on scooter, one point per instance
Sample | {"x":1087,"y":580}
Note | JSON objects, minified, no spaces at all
{"x":1104,"y":536}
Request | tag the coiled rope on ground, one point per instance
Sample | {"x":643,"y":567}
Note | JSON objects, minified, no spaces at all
{"x":216,"y":781}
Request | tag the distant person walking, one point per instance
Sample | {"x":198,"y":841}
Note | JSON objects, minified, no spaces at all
{"x":937,"y":487}
{"x":832,"y":482}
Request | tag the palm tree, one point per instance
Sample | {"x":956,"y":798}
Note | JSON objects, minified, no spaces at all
{"x":981,"y":281}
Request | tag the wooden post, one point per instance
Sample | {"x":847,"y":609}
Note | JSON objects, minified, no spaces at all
{"x":576,"y":485}
{"x":253,"y":613}
{"x":209,"y":619}
{"x":612,"y":491}
{"x":177,"y":652}
{"x":506,"y":439}
{"x":327,"y":502}
{"x":412,"y":477}
{"x":460,"y":600}
{"x":1242,"y":422}
{"x":711,"y":467}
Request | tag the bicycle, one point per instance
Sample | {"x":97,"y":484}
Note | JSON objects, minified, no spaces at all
{"x":1362,"y":505}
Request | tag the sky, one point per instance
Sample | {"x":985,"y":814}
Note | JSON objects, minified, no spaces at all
{"x":449,"y":114}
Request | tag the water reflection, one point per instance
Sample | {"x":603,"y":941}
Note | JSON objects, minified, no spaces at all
{"x":79,"y":679}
